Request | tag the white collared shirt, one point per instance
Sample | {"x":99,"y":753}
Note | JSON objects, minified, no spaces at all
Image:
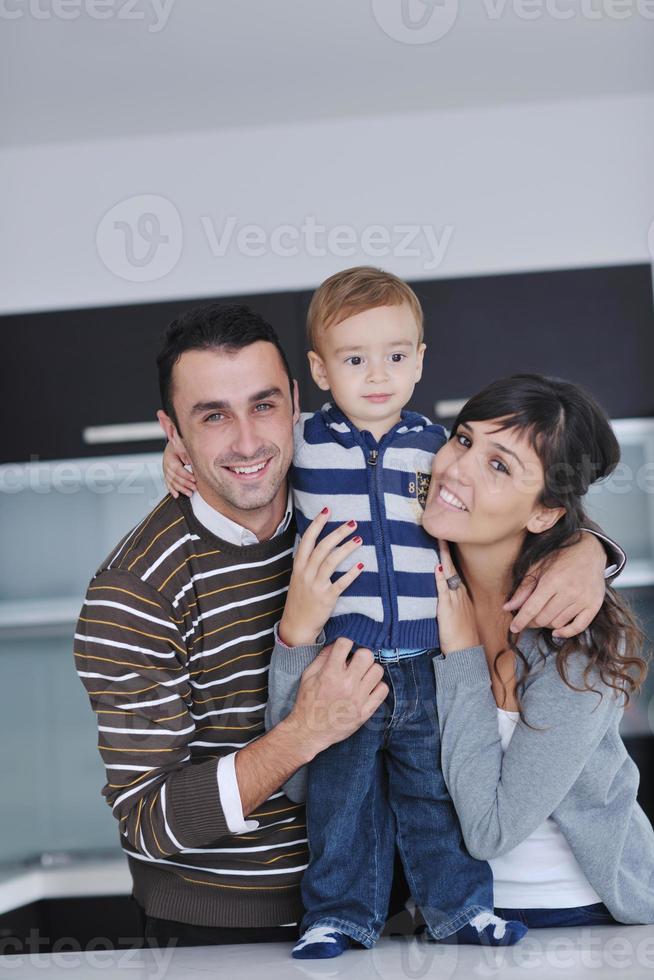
{"x":223,"y":527}
{"x":228,"y":530}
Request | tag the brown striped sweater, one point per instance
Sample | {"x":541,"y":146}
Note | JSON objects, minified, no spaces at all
{"x":173,"y":646}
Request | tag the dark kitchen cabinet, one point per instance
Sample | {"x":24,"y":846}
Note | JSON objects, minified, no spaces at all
{"x":63,"y":371}
{"x":66,"y":370}
{"x":593,"y":326}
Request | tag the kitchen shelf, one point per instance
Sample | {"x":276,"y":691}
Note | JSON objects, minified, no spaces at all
{"x":39,"y":614}
{"x":58,"y":521}
{"x":79,"y":877}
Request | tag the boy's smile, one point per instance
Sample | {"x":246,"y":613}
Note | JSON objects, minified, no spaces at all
{"x":370,"y":362}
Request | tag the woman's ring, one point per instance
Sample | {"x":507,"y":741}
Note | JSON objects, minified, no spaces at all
{"x":453,"y":582}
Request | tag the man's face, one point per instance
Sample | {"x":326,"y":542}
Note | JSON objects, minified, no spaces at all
{"x":235,"y":416}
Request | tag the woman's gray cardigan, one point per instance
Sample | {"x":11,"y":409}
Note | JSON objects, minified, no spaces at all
{"x":571,"y":765}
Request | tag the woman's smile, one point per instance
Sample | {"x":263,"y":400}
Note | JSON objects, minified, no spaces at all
{"x":449,"y":500}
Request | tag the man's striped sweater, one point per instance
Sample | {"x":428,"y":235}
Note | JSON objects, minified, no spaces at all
{"x":173,"y":647}
{"x":382,"y":485}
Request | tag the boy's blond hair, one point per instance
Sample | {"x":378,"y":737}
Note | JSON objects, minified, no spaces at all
{"x":354,"y":291}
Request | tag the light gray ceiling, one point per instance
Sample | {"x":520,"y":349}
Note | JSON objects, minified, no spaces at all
{"x":157,"y":66}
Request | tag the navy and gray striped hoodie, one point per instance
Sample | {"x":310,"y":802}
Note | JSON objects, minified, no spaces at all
{"x":382,"y":485}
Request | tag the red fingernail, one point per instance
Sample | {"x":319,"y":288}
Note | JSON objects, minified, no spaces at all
{"x":440,"y":568}
{"x":325,"y":510}
{"x":360,"y":565}
{"x":351,"y":523}
{"x":357,"y":540}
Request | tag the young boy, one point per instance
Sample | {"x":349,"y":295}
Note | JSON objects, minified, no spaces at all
{"x":365,"y":461}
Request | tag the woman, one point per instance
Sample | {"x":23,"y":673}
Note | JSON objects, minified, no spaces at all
{"x":531,"y":752}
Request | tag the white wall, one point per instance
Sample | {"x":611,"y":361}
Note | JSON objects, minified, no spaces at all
{"x":521,"y":187}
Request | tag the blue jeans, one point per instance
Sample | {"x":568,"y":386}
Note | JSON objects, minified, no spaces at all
{"x":384,"y":784}
{"x":584,"y":915}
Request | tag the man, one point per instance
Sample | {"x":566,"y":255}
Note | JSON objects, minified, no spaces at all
{"x":174,"y":641}
{"x":173,"y":647}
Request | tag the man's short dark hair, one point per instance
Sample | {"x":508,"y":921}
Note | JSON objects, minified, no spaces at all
{"x":215,"y":326}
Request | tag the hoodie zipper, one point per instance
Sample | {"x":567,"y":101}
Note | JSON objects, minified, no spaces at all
{"x":375,"y":495}
{"x":375,"y":473}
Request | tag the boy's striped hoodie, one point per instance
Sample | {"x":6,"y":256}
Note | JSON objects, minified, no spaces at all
{"x":382,"y":485}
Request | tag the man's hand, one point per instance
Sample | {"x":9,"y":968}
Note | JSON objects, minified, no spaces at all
{"x":336,"y":697}
{"x":312,"y":595}
{"x":567,"y":595}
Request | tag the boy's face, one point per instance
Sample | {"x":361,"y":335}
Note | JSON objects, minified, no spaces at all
{"x":370,"y":363}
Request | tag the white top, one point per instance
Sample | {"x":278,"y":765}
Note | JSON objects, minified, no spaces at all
{"x":541,"y":872}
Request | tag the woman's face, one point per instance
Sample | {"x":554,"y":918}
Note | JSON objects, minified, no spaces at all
{"x":485,"y":487}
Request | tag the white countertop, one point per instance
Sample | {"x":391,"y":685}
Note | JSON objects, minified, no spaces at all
{"x":598,"y":952}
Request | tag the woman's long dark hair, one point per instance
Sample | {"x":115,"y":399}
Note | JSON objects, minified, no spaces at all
{"x":576,"y":446}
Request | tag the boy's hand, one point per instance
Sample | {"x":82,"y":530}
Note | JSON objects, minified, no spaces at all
{"x":567,"y":595}
{"x":312,"y":595}
{"x":177,"y":478}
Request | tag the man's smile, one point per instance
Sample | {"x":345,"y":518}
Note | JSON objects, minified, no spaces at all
{"x":249,"y":471}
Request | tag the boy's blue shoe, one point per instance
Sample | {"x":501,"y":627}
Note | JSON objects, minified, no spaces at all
{"x":321,"y":943}
{"x":487,"y":929}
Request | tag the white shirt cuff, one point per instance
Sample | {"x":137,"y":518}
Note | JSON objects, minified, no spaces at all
{"x":230,"y":797}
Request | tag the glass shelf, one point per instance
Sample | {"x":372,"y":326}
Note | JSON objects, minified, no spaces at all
{"x":41,"y":615}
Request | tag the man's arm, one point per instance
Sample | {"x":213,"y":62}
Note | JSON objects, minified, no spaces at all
{"x":131,"y":659}
{"x":334,"y":698}
{"x":565,"y":594}
{"x":275,"y":760}
{"x":286,"y":667}
{"x":287,"y":664}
